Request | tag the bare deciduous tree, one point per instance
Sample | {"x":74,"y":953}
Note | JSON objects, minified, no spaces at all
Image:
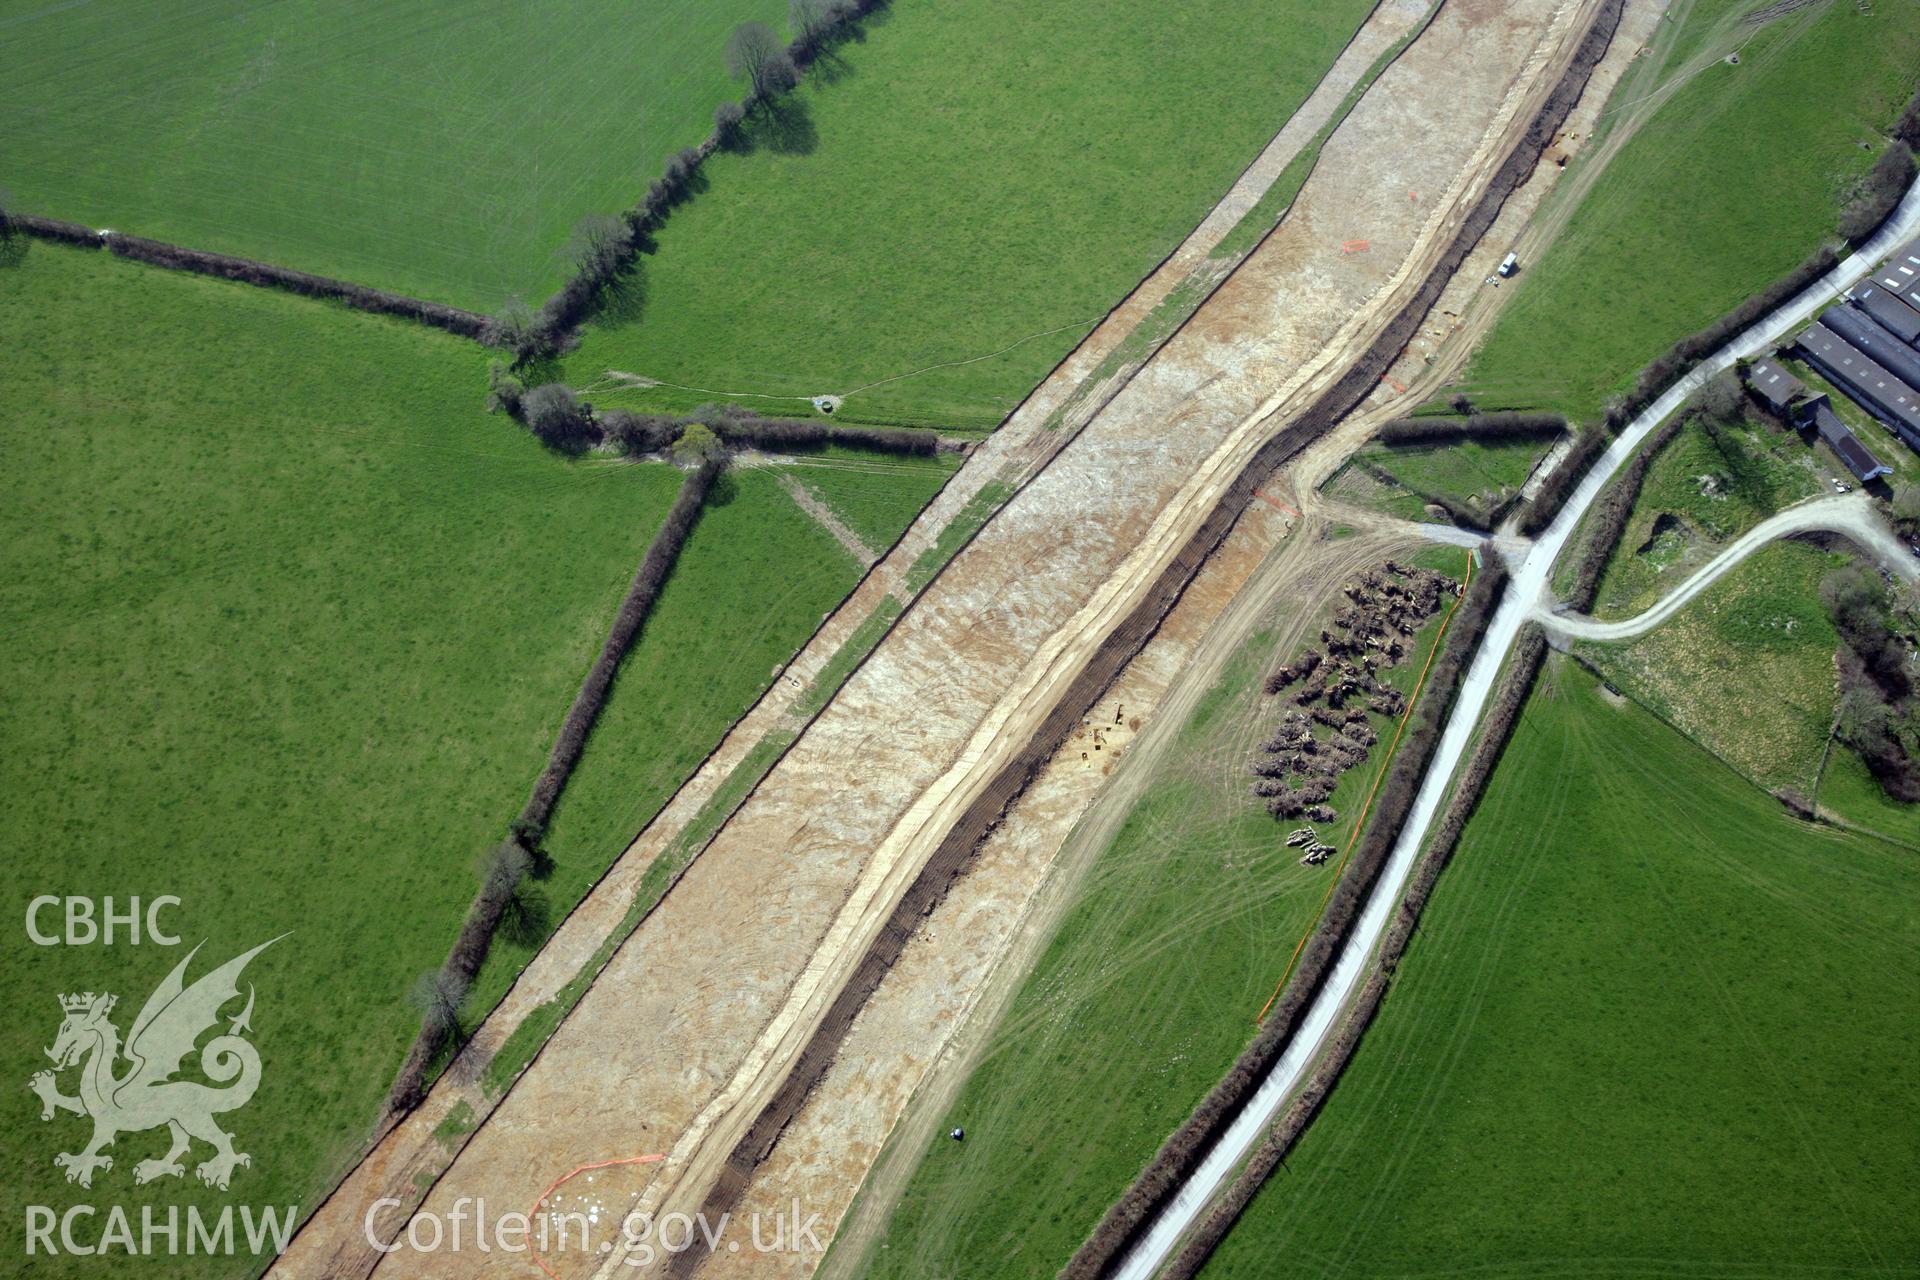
{"x":754,"y":54}
{"x":440,"y":996}
{"x":512,"y":328}
{"x":599,"y":241}
{"x":553,"y":414}
{"x":808,"y":20}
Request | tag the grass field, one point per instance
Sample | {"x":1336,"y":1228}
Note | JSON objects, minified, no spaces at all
{"x":1736,"y":177}
{"x":1760,"y":638}
{"x":1649,"y":1026}
{"x":1700,"y":494}
{"x":918,"y":207}
{"x":435,"y":148}
{"x":1480,"y":475}
{"x":875,"y":496}
{"x":1139,"y":1003}
{"x":291,"y":623}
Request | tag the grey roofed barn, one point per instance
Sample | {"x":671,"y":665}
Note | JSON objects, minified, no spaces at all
{"x":1774,"y":385}
{"x":1901,"y":275}
{"x":1876,"y":390}
{"x":1840,"y":438}
{"x":1895,"y":316}
{"x":1868,"y":337}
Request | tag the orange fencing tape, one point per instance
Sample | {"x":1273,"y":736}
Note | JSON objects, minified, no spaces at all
{"x":1361,"y":825}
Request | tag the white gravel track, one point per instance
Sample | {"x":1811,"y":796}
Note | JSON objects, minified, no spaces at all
{"x":1529,"y":587}
{"x":1852,"y":515}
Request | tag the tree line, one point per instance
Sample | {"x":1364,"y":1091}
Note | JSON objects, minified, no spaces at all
{"x":562,"y":421}
{"x":468,"y":324}
{"x":504,"y":895}
{"x":603,"y":245}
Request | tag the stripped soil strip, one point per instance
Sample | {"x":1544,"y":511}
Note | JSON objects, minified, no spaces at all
{"x":408,"y":1159}
{"x":954,"y":853}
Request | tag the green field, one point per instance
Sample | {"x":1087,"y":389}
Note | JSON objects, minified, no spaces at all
{"x":291,"y":626}
{"x":1649,"y":1026}
{"x":967,"y":179}
{"x":435,"y":148}
{"x":1758,"y":638}
{"x":1699,"y":494}
{"x":1483,"y":476}
{"x":1739,"y":174}
{"x":876,"y":497}
{"x":1140,"y":1001}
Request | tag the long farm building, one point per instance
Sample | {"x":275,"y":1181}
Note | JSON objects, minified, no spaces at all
{"x":1865,"y":380}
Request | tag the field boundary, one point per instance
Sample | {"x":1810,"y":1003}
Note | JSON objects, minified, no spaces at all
{"x":1023,"y":474}
{"x":225,"y":266}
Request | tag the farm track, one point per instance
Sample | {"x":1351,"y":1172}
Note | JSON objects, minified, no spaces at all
{"x":1851,"y":515}
{"x":814,"y":847}
{"x":1289,"y":588}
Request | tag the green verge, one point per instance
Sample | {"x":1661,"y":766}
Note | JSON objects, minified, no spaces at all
{"x":290,"y":622}
{"x":1738,"y":175}
{"x":1140,"y":1001}
{"x":954,"y":534}
{"x":1649,"y":1024}
{"x":427,"y":146}
{"x":1068,"y":156}
{"x":1480,"y":475}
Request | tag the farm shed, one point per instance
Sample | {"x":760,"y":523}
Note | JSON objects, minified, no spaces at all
{"x":1901,"y":275}
{"x":1867,"y":337}
{"x":1876,"y":390}
{"x":1840,"y":438}
{"x":1895,"y":316}
{"x":1775,"y":386}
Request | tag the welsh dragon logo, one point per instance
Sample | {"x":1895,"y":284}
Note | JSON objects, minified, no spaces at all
{"x":144,"y":1095}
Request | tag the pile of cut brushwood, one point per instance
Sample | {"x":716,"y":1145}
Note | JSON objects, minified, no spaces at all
{"x":1335,"y":689}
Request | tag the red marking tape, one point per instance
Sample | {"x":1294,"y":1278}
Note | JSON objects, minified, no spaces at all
{"x":1355,"y":246}
{"x":1276,"y":502}
{"x":557,"y":1183}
